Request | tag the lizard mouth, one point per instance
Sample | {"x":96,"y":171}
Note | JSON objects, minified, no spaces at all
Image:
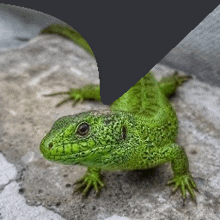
{"x":64,"y":159}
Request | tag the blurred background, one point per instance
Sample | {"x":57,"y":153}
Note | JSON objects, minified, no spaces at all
{"x":197,"y":54}
{"x":18,"y":25}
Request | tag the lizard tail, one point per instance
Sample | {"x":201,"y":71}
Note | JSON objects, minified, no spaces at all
{"x":69,"y":33}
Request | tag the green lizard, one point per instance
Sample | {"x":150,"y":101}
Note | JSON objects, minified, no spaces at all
{"x":139,"y":132}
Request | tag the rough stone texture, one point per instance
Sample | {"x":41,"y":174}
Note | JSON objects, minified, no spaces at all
{"x":198,"y":53}
{"x":13,"y":206}
{"x":19,"y":24}
{"x":50,"y":64}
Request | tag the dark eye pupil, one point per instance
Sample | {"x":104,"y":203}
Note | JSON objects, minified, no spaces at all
{"x":83,"y":129}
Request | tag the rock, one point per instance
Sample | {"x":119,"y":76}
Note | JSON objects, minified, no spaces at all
{"x":198,"y":52}
{"x":51,"y":63}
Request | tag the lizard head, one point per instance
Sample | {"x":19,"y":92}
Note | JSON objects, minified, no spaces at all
{"x":95,"y":138}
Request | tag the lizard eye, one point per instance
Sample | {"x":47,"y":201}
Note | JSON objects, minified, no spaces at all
{"x":83,"y":129}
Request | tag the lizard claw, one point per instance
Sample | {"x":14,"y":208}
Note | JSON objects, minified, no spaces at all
{"x":184,"y":183}
{"x":181,"y":78}
{"x":87,"y":182}
{"x":73,"y":94}
{"x":89,"y":92}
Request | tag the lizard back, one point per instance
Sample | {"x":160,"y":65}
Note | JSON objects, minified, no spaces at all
{"x":152,"y":110}
{"x":144,"y":98}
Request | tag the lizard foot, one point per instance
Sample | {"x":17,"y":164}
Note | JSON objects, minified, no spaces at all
{"x":72,"y":95}
{"x":184,"y":183}
{"x":180,"y":79}
{"x":87,"y":182}
{"x":88,"y":92}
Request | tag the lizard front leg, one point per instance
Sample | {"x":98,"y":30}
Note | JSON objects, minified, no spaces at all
{"x":168,"y":85}
{"x":182,"y":177}
{"x":176,"y":155}
{"x":92,"y":178}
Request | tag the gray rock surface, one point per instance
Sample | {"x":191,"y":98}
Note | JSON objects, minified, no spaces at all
{"x":50,"y":64}
{"x":18,"y":25}
{"x":199,"y":52}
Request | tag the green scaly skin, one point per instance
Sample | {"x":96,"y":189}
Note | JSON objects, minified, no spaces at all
{"x":69,"y":33}
{"x":139,"y":132}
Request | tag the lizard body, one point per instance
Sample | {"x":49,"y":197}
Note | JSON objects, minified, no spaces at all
{"x":139,"y":132}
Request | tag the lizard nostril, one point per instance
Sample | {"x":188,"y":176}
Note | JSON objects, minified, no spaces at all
{"x":50,"y":145}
